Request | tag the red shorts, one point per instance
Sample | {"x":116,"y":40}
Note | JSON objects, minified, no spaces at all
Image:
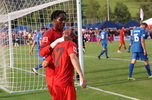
{"x":122,"y":42}
{"x":51,"y":88}
{"x":67,"y":93}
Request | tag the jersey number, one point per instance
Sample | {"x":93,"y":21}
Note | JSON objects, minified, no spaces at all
{"x":136,"y":37}
{"x":60,"y":50}
{"x":102,"y":36}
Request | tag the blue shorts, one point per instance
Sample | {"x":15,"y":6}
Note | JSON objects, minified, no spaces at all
{"x":40,"y":57}
{"x":137,"y":55}
{"x":104,"y":46}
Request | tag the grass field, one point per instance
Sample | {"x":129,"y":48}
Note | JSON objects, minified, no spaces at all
{"x":132,"y":5}
{"x":105,"y":77}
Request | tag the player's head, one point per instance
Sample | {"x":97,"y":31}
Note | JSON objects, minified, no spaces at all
{"x":143,"y":25}
{"x":122,"y":27}
{"x":43,"y":29}
{"x":70,"y":23}
{"x":70,"y":34}
{"x":59,"y":19}
{"x":134,"y":27}
{"x":104,"y":27}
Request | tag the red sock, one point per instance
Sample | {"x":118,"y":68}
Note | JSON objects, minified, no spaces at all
{"x":124,"y":47}
{"x":119,"y":48}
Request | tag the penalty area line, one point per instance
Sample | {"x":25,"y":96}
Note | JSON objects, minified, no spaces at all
{"x":120,"y":95}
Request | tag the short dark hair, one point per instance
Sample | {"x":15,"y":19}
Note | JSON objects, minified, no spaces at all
{"x":104,"y":27}
{"x":56,"y":14}
{"x":144,"y":24}
{"x":43,"y":28}
{"x":122,"y":26}
{"x":70,"y":23}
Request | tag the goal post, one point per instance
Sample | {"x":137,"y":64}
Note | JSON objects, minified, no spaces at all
{"x":20,"y":21}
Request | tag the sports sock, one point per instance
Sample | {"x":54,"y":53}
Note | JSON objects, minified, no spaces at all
{"x":148,"y":69}
{"x":129,"y":48}
{"x":106,"y":53}
{"x":39,"y":66}
{"x":124,"y":47}
{"x":131,"y":69}
{"x":119,"y":48}
{"x":101,"y":53}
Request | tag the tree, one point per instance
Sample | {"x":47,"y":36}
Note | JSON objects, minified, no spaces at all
{"x":92,"y":9}
{"x":146,"y":10}
{"x":103,"y":12}
{"x":121,"y":13}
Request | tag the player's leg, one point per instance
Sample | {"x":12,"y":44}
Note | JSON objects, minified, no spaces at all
{"x":103,"y":51}
{"x":146,"y":61}
{"x":131,"y":66}
{"x":129,"y":47}
{"x":51,"y":88}
{"x":125,"y":46}
{"x":40,"y":65}
{"x":106,"y":51}
{"x":119,"y":47}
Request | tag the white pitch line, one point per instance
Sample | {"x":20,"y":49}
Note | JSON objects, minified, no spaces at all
{"x":132,"y":98}
{"x":114,"y":58}
{"x":77,"y":84}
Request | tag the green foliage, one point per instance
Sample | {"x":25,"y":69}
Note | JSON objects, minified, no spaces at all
{"x":121,"y":13}
{"x":103,"y":12}
{"x":92,"y":9}
{"x":147,"y":11}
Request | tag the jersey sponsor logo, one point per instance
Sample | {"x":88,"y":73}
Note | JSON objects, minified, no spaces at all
{"x":75,"y":49}
{"x":143,"y":34}
{"x":45,"y":39}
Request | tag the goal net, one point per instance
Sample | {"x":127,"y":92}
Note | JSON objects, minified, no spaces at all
{"x":20,"y":21}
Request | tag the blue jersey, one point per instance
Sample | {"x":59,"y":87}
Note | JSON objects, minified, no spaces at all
{"x":37,"y":39}
{"x":131,"y":34}
{"x":103,"y":36}
{"x":138,"y":33}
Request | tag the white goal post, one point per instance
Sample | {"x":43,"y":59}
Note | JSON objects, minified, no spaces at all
{"x":20,"y":21}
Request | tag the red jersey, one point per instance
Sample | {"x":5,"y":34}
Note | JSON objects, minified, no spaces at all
{"x":48,"y":37}
{"x":122,"y":35}
{"x":64,"y":69}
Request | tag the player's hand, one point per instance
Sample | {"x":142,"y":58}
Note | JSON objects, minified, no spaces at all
{"x":45,"y":63}
{"x":83,"y":82}
{"x":31,"y":52}
{"x":98,"y":44}
{"x":144,"y":52}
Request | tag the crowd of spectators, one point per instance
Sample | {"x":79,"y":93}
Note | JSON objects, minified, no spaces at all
{"x":89,"y":33}
{"x":26,"y":38}
{"x":18,"y":37}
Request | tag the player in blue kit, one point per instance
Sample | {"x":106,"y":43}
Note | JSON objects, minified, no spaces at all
{"x":104,"y":37}
{"x":131,"y":39}
{"x":139,"y":50}
{"x":37,"y":41}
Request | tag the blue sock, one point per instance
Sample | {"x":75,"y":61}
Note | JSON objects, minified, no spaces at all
{"x":129,"y":48}
{"x":148,"y":69}
{"x":101,"y":53}
{"x":131,"y":69}
{"x":39,"y":66}
{"x":106,"y":53}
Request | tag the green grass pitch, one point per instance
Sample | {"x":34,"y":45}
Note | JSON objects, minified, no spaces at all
{"x":106,"y":74}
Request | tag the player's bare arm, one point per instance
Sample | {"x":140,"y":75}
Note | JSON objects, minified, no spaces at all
{"x":143,"y":44}
{"x":76,"y":65}
{"x":32,"y":48}
{"x":99,"y":41}
{"x":108,"y":39}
